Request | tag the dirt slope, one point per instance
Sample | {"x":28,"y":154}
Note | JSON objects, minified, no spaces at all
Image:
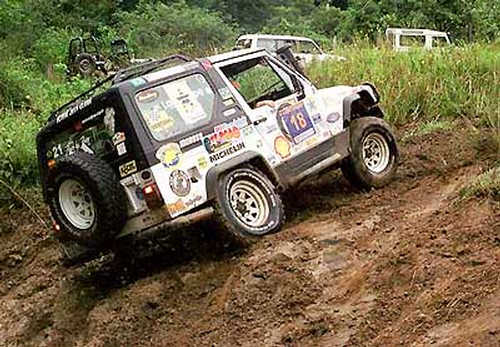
{"x":406,"y":265}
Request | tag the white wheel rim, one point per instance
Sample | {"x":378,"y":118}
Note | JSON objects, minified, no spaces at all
{"x":249,"y":203}
{"x":376,"y":153}
{"x":76,"y":204}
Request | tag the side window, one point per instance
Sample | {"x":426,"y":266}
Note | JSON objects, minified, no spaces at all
{"x":177,"y":106}
{"x":257,"y":80}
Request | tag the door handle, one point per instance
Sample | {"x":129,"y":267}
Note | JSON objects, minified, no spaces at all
{"x":260,"y":120}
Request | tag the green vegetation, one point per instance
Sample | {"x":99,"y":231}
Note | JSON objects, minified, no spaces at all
{"x":485,"y":185}
{"x":422,"y":85}
{"x":435,"y":87}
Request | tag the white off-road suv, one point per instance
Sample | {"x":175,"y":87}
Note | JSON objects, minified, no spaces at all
{"x":304,"y":49}
{"x":222,"y":136}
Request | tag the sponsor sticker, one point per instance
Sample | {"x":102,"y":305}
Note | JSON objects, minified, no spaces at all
{"x":188,"y":141}
{"x":118,"y":138}
{"x":176,"y":208}
{"x":121,"y":149}
{"x":180,"y":183}
{"x":194,"y":201}
{"x":226,"y":152}
{"x":333,"y":117}
{"x":147,"y":96}
{"x":71,"y":111}
{"x":94,"y":116}
{"x":223,"y":136}
{"x":282,"y":147}
{"x":127,"y":168}
{"x":295,"y":122}
{"x":195,"y":174}
{"x":202,"y":163}
{"x":225,"y":93}
{"x":169,"y":155}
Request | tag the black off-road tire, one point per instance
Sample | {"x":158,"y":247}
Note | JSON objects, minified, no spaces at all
{"x":85,"y":64}
{"x":355,"y":167}
{"x":240,"y":232}
{"x":101,"y":187}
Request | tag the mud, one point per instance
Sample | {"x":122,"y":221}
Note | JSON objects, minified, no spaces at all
{"x":407,"y":265}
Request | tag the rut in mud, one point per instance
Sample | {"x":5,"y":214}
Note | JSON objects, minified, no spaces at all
{"x":407,"y":264}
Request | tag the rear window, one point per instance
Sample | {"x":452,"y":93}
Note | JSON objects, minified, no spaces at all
{"x":176,"y":107}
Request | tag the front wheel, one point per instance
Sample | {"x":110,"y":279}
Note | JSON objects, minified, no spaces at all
{"x":374,"y":158}
{"x":247,"y":205}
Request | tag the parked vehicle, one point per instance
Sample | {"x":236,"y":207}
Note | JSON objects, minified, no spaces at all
{"x":403,"y":40}
{"x":304,"y":49}
{"x":222,"y":136}
{"x":84,"y":57}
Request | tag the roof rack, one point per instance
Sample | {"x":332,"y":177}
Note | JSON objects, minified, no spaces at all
{"x":147,"y":67}
{"x":123,"y":75}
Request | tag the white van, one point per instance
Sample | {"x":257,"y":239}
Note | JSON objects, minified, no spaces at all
{"x":404,"y":39}
{"x":305,"y":49}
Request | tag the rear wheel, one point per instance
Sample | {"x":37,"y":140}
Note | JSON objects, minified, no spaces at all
{"x":86,"y":64}
{"x":374,"y":158}
{"x":247,"y":205}
{"x":86,"y":200}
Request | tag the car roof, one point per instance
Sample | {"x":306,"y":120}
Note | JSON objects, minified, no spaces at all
{"x":273,"y":37}
{"x":414,"y":32}
{"x":233,"y":54}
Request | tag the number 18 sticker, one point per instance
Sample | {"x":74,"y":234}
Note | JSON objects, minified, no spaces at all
{"x":296,"y":122}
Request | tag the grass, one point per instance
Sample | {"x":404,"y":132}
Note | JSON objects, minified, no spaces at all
{"x":423,"y":85}
{"x":486,"y":185}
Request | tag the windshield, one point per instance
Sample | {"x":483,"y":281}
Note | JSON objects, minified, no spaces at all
{"x":269,"y":44}
{"x":306,"y":47}
{"x":176,"y":107}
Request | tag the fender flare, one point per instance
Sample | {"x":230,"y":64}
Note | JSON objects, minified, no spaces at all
{"x":246,"y":157}
{"x":363,"y":103}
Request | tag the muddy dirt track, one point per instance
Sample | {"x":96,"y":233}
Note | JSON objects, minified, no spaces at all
{"x":407,"y":265}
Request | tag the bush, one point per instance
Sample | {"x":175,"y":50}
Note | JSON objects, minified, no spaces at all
{"x":159,"y":29}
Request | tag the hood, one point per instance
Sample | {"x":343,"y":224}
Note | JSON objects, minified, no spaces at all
{"x":334,"y":96}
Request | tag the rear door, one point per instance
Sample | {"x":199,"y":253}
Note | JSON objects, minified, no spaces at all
{"x":193,"y":123}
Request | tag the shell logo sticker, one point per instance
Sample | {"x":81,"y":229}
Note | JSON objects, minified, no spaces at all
{"x":282,"y":147}
{"x":169,"y":155}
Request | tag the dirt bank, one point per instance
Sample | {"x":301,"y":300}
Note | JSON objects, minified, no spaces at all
{"x":409,"y":264}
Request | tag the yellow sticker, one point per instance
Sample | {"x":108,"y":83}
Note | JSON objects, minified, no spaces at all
{"x":170,"y":155}
{"x":282,"y":147}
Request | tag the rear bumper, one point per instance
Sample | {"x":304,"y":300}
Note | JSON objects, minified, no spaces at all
{"x":139,"y":230}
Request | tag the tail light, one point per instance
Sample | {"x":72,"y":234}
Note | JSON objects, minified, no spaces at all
{"x":152,"y":196}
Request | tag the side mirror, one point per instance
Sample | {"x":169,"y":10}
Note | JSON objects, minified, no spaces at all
{"x":286,"y":55}
{"x":299,"y":88}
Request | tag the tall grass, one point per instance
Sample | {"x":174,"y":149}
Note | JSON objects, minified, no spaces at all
{"x":423,"y":85}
